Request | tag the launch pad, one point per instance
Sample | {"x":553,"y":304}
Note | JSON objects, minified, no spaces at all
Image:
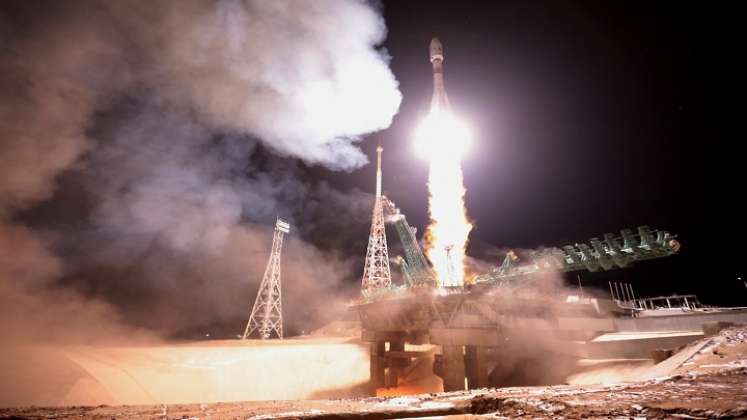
{"x":518,"y":316}
{"x":472,"y":330}
{"x":474,"y":333}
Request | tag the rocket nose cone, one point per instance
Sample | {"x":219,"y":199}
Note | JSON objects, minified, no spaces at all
{"x":436,"y":49}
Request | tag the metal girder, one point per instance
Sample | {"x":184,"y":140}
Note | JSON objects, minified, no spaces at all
{"x":267,"y":312}
{"x":376,"y":273}
{"x":611,"y":253}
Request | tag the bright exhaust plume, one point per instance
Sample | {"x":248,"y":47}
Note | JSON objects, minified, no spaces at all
{"x":442,"y":139}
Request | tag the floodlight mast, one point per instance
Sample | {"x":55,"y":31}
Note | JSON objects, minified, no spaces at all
{"x":267,"y":313}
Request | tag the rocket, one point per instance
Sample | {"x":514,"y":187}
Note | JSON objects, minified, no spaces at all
{"x":440,"y":100}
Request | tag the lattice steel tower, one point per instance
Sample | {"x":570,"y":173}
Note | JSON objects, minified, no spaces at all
{"x":376,"y":274}
{"x":267,"y":313}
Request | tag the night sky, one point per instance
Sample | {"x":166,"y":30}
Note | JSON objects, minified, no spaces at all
{"x":589,"y":117}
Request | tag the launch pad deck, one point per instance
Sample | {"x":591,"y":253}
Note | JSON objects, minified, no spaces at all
{"x":474,"y":332}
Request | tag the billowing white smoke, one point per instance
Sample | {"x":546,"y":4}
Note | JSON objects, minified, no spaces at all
{"x":304,"y":76}
{"x":126,"y":99}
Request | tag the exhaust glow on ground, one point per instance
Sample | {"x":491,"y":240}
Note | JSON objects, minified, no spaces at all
{"x":210,"y":371}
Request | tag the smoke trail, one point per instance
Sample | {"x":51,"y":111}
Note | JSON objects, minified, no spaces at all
{"x":139,"y":148}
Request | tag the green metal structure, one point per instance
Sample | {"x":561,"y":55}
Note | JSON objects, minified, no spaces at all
{"x":415,"y":268}
{"x":611,"y":253}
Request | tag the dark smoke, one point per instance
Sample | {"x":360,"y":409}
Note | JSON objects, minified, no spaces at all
{"x":147,"y":147}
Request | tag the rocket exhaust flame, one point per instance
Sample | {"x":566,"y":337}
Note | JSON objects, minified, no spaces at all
{"x":442,"y":139}
{"x":442,"y":142}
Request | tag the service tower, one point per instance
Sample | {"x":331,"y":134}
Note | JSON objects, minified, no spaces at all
{"x":376,"y":274}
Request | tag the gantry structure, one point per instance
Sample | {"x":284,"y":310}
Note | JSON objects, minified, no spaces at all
{"x":376,"y":273}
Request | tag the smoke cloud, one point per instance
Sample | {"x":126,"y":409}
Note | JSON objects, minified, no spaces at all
{"x":302,"y":76}
{"x":146,"y":148}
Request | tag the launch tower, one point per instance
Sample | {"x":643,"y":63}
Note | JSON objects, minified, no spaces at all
{"x":267,"y":313}
{"x":376,"y":274}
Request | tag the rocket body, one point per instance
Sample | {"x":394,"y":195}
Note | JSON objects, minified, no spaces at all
{"x":440,"y":100}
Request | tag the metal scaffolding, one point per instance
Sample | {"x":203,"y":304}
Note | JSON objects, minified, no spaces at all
{"x":376,"y":274}
{"x":267,"y":313}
